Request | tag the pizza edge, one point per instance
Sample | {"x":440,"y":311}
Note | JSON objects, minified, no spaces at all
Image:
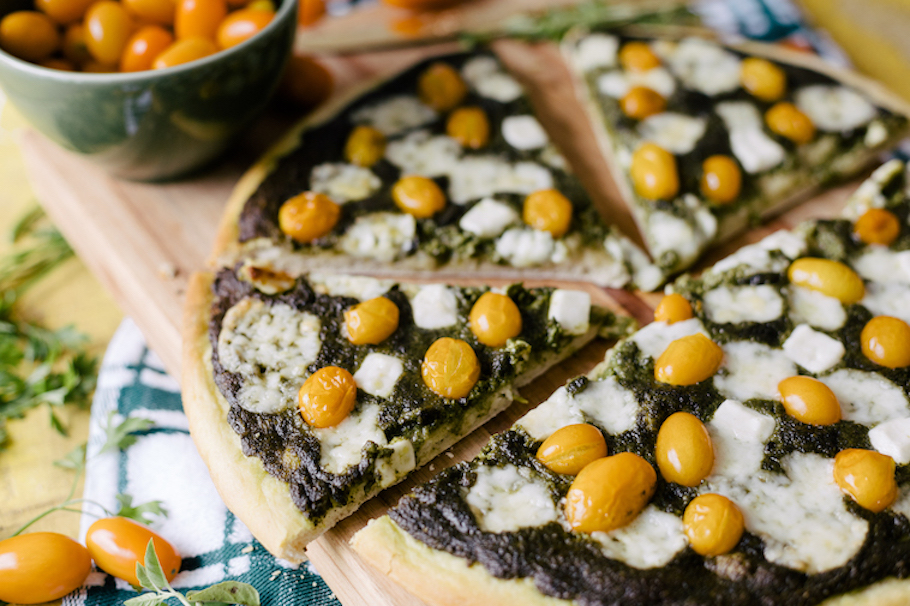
{"x":871,"y":89}
{"x":442,"y":579}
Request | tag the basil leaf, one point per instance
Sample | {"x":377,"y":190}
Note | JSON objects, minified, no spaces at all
{"x":227,"y":592}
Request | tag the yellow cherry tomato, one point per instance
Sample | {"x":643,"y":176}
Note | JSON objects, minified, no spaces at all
{"x":143,"y":47}
{"x":63,"y":11}
{"x":450,"y":368}
{"x":159,"y":12}
{"x":569,"y":449}
{"x":29,"y":35}
{"x":327,"y":397}
{"x":877,"y":226}
{"x":689,"y":360}
{"x":673,"y":308}
{"x":310,"y":11}
{"x":61,"y":64}
{"x":199,"y":18}
{"x":75,"y":47}
{"x":108,"y":27}
{"x":809,"y":401}
{"x":418,"y":196}
{"x":494,"y":319}
{"x":118,"y":544}
{"x":787,"y":121}
{"x":40,"y":567}
{"x":638,"y":57}
{"x":305,"y":82}
{"x":641,"y":102}
{"x":762,"y":79}
{"x":831,"y":278}
{"x":721,"y":179}
{"x":308,"y":216}
{"x":867,"y":477}
{"x":441,"y":87}
{"x":684,"y":452}
{"x":654,"y":174}
{"x":371,"y":322}
{"x":241,"y":25}
{"x":609,"y":493}
{"x":184,"y":51}
{"x":469,"y":126}
{"x":365,"y":146}
{"x":886,"y":341}
{"x":548,"y":210}
{"x":713,"y":523}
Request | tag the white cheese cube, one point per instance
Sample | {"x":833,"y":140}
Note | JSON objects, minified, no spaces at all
{"x":893,"y":439}
{"x":755,"y":150}
{"x":571,"y":309}
{"x":394,"y":466}
{"x":747,"y":425}
{"x":676,"y":133}
{"x":378,"y":374}
{"x":344,"y":182}
{"x":736,"y":304}
{"x":488,"y":218}
{"x":434,"y":306}
{"x":834,"y":108}
{"x":523,"y":132}
{"x":596,"y":50}
{"x":787,"y":242}
{"x":524,"y":247}
{"x":816,"y":309}
{"x":815,"y":351}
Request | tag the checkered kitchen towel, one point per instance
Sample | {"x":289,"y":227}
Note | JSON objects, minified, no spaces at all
{"x":163,"y":465}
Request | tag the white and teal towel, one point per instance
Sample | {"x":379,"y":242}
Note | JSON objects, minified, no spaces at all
{"x":163,"y":465}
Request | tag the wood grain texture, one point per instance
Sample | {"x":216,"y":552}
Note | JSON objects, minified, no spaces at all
{"x":143,"y":240}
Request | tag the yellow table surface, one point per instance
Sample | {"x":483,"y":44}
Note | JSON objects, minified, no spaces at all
{"x":873,"y":32}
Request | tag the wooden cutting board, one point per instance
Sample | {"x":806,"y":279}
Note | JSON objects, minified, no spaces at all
{"x":144,"y":240}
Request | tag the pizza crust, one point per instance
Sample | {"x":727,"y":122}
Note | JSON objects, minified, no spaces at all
{"x":442,"y":579}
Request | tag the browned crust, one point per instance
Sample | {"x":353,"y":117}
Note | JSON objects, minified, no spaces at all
{"x":442,"y":579}
{"x":875,"y":91}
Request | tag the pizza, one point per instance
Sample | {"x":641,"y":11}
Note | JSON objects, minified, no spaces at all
{"x":306,"y":396}
{"x":440,"y":171}
{"x":750,"y":446}
{"x":704,"y":139}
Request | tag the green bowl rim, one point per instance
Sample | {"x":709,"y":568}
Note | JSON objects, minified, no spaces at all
{"x":286,"y":6}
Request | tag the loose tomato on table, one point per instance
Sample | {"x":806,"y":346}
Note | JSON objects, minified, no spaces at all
{"x":41,"y":566}
{"x":118,"y":544}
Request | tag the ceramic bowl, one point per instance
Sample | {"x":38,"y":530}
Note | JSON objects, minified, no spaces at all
{"x":156,"y":124}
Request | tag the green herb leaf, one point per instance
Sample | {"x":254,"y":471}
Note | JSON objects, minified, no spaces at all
{"x":143,"y":577}
{"x":74,"y":460}
{"x":146,"y":599}
{"x":141,"y":512}
{"x":119,"y":436}
{"x":227,"y":592}
{"x":57,"y":424}
{"x":26,"y":223}
{"x":155,"y":575}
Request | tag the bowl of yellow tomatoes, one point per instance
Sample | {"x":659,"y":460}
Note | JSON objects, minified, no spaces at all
{"x":149,"y":89}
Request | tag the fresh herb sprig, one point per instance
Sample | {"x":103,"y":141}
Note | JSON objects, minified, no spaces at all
{"x":152,"y":577}
{"x":38,"y":366}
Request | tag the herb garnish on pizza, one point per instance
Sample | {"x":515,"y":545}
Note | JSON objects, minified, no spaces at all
{"x":307,"y":396}
{"x":704,"y":139}
{"x":441,"y":170}
{"x":751,"y":446}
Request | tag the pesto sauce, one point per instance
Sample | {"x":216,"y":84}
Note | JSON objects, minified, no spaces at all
{"x":283,"y":441}
{"x":438,"y":236}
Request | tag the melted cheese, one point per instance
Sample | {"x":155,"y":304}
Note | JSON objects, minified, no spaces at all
{"x":654,"y":338}
{"x":704,"y":66}
{"x":755,"y":150}
{"x":523,"y":132}
{"x":651,"y":540}
{"x":344,"y":182}
{"x":395,"y":115}
{"x":488,"y":218}
{"x":525,"y":247}
{"x":381,"y":236}
{"x":757,"y":257}
{"x":395,"y":462}
{"x":270,"y":348}
{"x":356,"y":287}
{"x":867,"y":397}
{"x":881,"y":264}
{"x":596,"y":51}
{"x":834,"y":108}
{"x":671,"y":234}
{"x":617,"y":83}
{"x":506,"y":499}
{"x":813,"y":350}
{"x":869,"y":193}
{"x":485,"y":76}
{"x":801,"y":516}
{"x":481,"y":176}
{"x":342,"y":445}
{"x":422,"y":153}
{"x":737,"y":304}
{"x":676,"y":133}
{"x":815,"y":308}
{"x":738,"y":435}
{"x":752,"y":370}
{"x":888,"y":300}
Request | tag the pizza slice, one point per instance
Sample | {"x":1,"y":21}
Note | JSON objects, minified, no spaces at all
{"x":308,"y":396}
{"x":750,"y":446}
{"x":442,"y":170}
{"x":704,"y":139}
